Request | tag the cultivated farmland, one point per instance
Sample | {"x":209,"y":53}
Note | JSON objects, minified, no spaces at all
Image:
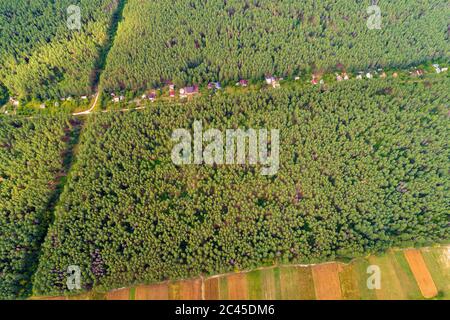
{"x":348,"y":281}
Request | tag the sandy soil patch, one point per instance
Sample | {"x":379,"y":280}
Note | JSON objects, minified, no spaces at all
{"x":326,"y":281}
{"x":153,"y":292}
{"x":121,"y":294}
{"x":237,"y":287}
{"x":421,"y":273}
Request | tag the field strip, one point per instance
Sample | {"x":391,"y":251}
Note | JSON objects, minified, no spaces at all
{"x":211,"y":287}
{"x":152,"y":292}
{"x":191,"y":290}
{"x":237,"y":287}
{"x":421,"y":273}
{"x":331,"y":280}
{"x":120,"y":294}
{"x":326,"y":281}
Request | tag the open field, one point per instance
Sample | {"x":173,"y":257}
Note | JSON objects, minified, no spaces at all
{"x":326,"y":281}
{"x":121,"y":294}
{"x":421,"y":273}
{"x":405,"y":274}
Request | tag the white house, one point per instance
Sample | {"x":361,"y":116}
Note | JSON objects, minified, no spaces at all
{"x":14,"y":102}
{"x":437,"y":68}
{"x":269,"y":80}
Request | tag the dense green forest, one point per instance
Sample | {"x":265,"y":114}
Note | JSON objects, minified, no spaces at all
{"x":196,"y":41}
{"x":3,"y":95}
{"x":40,"y":57}
{"x":31,"y":162}
{"x":363,"y":166}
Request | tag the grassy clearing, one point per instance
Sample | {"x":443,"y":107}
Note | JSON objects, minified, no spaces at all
{"x":223,"y":288}
{"x":360,"y":267}
{"x":255,"y":285}
{"x":409,"y":285}
{"x":269,"y":290}
{"x":289,"y":283}
{"x":391,"y":288}
{"x":349,"y":282}
{"x":438,"y":264}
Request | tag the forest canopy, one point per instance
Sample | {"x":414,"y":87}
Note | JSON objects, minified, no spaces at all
{"x":31,"y":159}
{"x":363,"y":167}
{"x":191,"y":42}
{"x":40,"y":57}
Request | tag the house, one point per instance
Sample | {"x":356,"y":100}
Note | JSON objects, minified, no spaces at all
{"x":172,"y":93}
{"x":339,"y":77}
{"x":188,"y":91}
{"x":144,"y":96}
{"x":359,"y":77}
{"x":83,"y":97}
{"x":276,"y":84}
{"x":116,"y":99}
{"x":395,"y":75}
{"x":417,"y":73}
{"x":297,"y":78}
{"x":369,"y":75}
{"x":42,"y":106}
{"x":314,"y":81}
{"x":243,"y":83}
{"x":269,"y":80}
{"x":345,"y":75}
{"x":218,"y":85}
{"x":152,"y":96}
{"x":121,"y":98}
{"x":383,"y":75}
{"x":14,"y":102}
{"x":437,"y":68}
{"x":211,"y":86}
{"x":191,"y":90}
{"x":444,"y":69}
{"x":171,"y":86}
